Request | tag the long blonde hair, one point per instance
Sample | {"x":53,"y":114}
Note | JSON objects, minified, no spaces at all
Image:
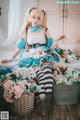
{"x":33,"y":12}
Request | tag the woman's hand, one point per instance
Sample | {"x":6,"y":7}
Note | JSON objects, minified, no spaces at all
{"x":32,"y":81}
{"x":6,"y":61}
{"x":61,"y":37}
{"x":37,"y":69}
{"x":55,"y":44}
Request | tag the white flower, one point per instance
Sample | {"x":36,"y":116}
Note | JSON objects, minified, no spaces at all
{"x":25,"y":82}
{"x":60,"y":81}
{"x":31,"y":72}
{"x":24,"y":72}
{"x":71,"y":58}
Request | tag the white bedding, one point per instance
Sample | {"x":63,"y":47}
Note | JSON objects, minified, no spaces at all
{"x":75,"y":65}
{"x":7,"y":55}
{"x":11,"y":64}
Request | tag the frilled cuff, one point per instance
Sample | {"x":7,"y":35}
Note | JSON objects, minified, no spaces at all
{"x":21,"y":43}
{"x":49,"y":42}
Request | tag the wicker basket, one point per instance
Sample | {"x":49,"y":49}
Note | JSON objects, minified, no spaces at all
{"x":23,"y":105}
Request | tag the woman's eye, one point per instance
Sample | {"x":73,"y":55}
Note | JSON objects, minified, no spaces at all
{"x":33,"y":17}
{"x":38,"y":18}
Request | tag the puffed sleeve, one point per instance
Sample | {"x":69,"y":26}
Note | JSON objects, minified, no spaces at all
{"x":21,"y":43}
{"x":49,"y":42}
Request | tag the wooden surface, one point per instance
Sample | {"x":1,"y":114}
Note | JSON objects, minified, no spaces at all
{"x":59,"y":112}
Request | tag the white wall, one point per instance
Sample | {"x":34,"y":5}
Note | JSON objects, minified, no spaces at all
{"x":4,"y":4}
{"x":25,"y":5}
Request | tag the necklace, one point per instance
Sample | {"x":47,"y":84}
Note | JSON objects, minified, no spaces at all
{"x":36,"y":28}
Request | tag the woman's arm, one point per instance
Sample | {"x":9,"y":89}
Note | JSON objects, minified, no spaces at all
{"x":21,"y":44}
{"x":55,"y":42}
{"x":16,"y":53}
{"x":13,"y":56}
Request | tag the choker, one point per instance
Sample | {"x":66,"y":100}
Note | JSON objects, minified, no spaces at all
{"x":36,"y":28}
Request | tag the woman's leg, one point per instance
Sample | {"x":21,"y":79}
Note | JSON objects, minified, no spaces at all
{"x":48,"y":79}
{"x":42,"y":92}
{"x":41,"y":81}
{"x":46,"y":82}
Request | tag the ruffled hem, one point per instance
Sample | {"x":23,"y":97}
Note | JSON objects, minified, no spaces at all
{"x":27,"y":62}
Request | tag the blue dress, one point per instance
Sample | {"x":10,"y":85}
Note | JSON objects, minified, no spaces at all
{"x":37,"y":51}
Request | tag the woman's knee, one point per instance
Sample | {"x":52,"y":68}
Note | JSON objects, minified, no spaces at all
{"x":42,"y":96}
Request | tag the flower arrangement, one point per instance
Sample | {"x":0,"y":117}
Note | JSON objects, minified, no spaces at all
{"x":68,"y":55}
{"x":65,"y":75}
{"x":18,"y":82}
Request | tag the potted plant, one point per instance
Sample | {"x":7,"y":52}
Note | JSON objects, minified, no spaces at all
{"x":66,"y":89}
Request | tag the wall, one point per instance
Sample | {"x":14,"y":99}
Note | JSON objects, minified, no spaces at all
{"x":4,"y":4}
{"x":63,"y":19}
{"x":25,"y":4}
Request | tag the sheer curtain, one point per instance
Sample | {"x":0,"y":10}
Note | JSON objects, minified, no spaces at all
{"x":14,"y":18}
{"x":13,"y":24}
{"x":17,"y":11}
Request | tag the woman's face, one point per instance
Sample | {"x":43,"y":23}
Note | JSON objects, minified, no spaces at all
{"x":35,"y":20}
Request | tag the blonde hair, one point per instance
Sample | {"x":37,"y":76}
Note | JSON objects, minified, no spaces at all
{"x":42,"y":15}
{"x":31,"y":13}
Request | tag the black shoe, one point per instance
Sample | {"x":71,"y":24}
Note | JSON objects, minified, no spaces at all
{"x":44,"y":60}
{"x":43,"y":107}
{"x":49,"y":102}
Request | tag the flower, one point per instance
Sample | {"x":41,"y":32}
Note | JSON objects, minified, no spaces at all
{"x":71,"y":58}
{"x":20,"y":81}
{"x":65,"y":54}
{"x":65,"y":75}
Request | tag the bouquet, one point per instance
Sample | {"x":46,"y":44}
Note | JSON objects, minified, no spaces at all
{"x":65,"y":75}
{"x":20,"y":81}
{"x":68,"y":55}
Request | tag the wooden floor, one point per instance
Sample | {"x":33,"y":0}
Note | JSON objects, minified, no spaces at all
{"x":59,"y":112}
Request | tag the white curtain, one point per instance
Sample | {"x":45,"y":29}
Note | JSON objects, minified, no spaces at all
{"x":17,"y":11}
{"x":14,"y":18}
{"x":13,"y":24}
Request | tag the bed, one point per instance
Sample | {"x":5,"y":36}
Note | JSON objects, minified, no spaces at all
{"x":74,"y":48}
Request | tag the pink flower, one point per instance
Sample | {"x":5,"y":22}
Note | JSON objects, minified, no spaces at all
{"x":55,"y":73}
{"x":58,"y":69}
{"x":62,"y":66}
{"x":18,"y":91}
{"x":8,"y":96}
{"x":21,"y":84}
{"x":65,"y":54}
{"x":8,"y":85}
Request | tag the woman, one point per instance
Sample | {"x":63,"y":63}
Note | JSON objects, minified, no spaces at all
{"x":34,"y":45}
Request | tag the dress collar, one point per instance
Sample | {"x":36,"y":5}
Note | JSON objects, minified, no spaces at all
{"x":36,"y":28}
